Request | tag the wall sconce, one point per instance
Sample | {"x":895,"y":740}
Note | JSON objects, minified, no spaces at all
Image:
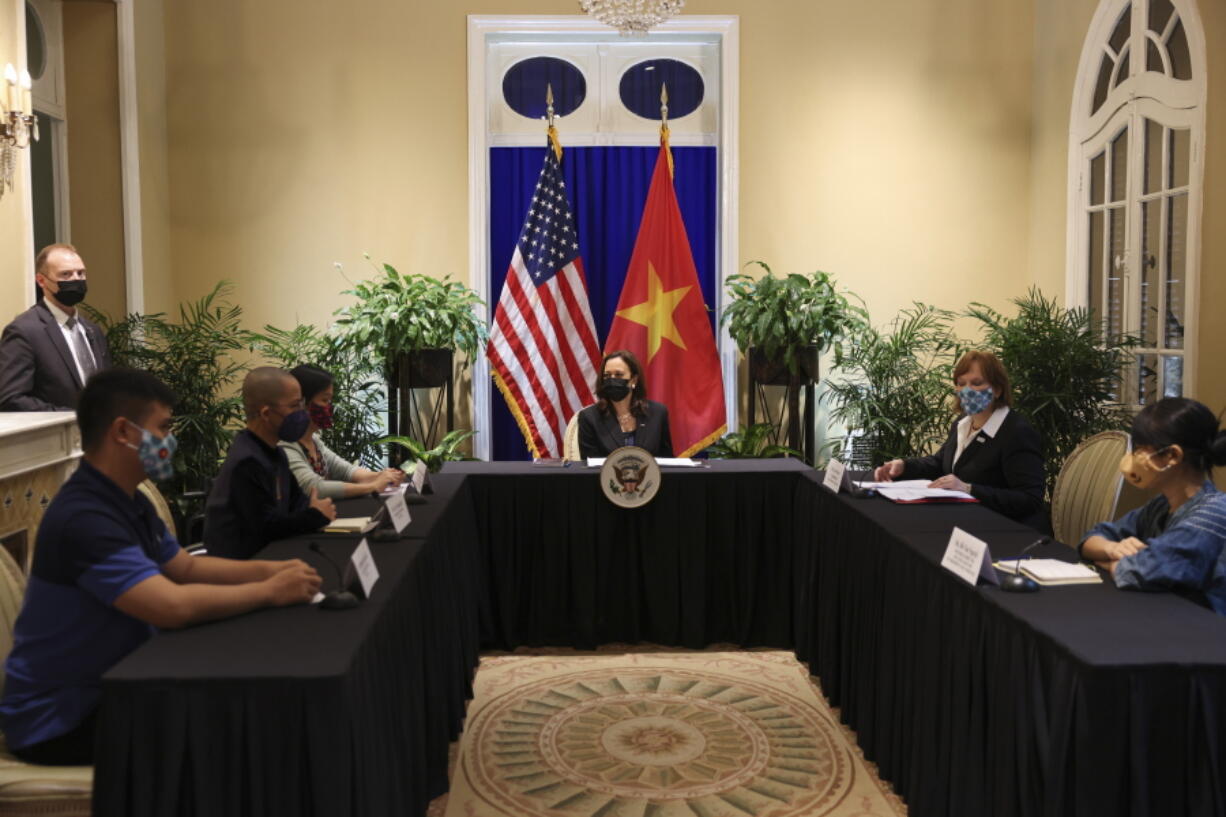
{"x":18,"y":124}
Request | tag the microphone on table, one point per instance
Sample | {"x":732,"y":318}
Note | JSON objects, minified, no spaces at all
{"x":1017,"y":583}
{"x":339,"y":599}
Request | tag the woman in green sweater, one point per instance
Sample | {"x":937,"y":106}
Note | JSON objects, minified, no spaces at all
{"x":315,"y":465}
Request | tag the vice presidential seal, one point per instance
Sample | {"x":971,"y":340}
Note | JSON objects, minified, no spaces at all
{"x":630,"y":477}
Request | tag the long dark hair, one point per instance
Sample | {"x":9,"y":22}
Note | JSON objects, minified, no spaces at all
{"x":638,"y":397}
{"x":1183,"y":422}
{"x":312,"y":379}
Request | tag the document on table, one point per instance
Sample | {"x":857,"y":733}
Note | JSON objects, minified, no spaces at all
{"x":1049,"y":572}
{"x":663,"y":462}
{"x":915,"y":490}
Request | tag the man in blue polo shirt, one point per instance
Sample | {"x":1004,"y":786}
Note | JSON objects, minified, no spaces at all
{"x":107,"y":574}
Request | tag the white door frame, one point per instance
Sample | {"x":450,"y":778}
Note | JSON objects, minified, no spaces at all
{"x":726,"y":30}
{"x":129,"y":157}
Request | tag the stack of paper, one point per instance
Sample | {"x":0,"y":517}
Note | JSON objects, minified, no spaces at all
{"x":1052,"y":571}
{"x":663,"y":462}
{"x":915,"y":490}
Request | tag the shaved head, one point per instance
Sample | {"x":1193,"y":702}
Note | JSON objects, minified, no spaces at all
{"x":264,"y":387}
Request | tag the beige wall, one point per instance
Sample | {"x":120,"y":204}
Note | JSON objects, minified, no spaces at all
{"x":91,"y":92}
{"x":899,"y":160}
{"x":918,"y":150}
{"x":16,"y":252}
{"x":1061,"y":27}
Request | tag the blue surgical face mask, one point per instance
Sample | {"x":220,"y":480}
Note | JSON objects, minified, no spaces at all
{"x":975,"y":400}
{"x":156,"y":455}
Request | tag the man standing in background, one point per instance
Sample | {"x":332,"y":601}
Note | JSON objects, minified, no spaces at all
{"x":49,"y":351}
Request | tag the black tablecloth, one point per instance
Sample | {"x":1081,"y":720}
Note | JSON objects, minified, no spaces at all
{"x":706,"y":561}
{"x":299,"y":711}
{"x":1083,"y":700}
{"x":1072,"y":701}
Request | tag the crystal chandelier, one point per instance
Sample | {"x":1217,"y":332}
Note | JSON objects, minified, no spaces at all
{"x":631,"y":16}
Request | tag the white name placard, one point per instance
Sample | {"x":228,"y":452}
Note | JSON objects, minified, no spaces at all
{"x":419,"y":476}
{"x":364,"y":565}
{"x":834,"y":476}
{"x":968,"y":557}
{"x":399,"y":510}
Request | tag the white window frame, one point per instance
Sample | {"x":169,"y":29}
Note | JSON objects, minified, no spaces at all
{"x":1166,"y":101}
{"x":725,"y":29}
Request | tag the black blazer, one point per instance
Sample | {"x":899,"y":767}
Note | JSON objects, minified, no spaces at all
{"x":600,"y":434}
{"x":37,"y":370}
{"x":1005,"y":471}
{"x":255,"y":500}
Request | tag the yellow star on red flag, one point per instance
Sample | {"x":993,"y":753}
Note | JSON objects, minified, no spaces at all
{"x":656,"y":313}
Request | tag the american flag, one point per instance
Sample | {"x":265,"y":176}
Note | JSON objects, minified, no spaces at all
{"x":543,"y":347}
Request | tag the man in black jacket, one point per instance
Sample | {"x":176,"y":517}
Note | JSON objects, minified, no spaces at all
{"x":256,"y":498}
{"x":50,"y":350}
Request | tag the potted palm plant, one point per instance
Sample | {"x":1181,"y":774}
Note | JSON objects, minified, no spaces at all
{"x":894,"y":393}
{"x":416,"y":323}
{"x":783,"y":324}
{"x":1066,"y":369}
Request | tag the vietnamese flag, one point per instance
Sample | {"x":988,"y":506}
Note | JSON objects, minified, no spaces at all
{"x":661,"y":317}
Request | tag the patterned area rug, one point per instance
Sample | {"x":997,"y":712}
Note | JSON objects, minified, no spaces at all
{"x":657,"y":734}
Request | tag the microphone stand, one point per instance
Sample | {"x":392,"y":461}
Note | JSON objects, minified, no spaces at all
{"x":1017,"y":583}
{"x":340,"y":598}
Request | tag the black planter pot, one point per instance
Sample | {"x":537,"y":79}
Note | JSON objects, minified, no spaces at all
{"x":425,"y":368}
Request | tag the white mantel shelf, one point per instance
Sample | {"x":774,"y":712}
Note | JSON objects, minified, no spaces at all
{"x":30,"y":440}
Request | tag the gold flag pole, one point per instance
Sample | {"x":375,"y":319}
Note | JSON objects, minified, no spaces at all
{"x":549,"y":118}
{"x":664,"y":127}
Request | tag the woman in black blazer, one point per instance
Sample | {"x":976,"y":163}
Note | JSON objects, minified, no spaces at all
{"x":992,"y":453}
{"x":623,"y":415}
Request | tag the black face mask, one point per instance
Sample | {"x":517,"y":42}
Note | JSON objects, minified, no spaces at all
{"x":71,"y":293}
{"x":615,"y":388}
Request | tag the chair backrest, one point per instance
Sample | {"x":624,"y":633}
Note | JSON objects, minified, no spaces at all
{"x":160,"y":505}
{"x":1088,"y":486}
{"x":570,"y":445}
{"x":12,"y":591}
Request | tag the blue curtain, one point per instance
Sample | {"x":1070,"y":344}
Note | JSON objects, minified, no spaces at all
{"x":608,"y":188}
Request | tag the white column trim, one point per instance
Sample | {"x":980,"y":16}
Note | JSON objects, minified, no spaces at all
{"x":23,"y":186}
{"x":480,"y":27}
{"x":129,"y":151}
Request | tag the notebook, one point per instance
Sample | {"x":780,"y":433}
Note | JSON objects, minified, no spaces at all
{"x":1049,"y":572}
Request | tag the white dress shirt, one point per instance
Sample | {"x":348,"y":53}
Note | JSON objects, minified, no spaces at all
{"x":965,"y":435}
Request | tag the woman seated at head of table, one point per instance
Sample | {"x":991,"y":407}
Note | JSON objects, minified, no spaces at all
{"x":623,"y":415}
{"x":1174,"y":541}
{"x":315,"y":465}
{"x":992,"y":452}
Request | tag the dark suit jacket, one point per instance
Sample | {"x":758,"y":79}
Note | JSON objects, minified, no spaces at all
{"x":255,"y":500}
{"x":37,"y":370}
{"x":600,"y":434}
{"x":1005,"y":471}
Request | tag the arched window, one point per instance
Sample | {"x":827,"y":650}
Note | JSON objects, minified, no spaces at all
{"x":1135,"y":174}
